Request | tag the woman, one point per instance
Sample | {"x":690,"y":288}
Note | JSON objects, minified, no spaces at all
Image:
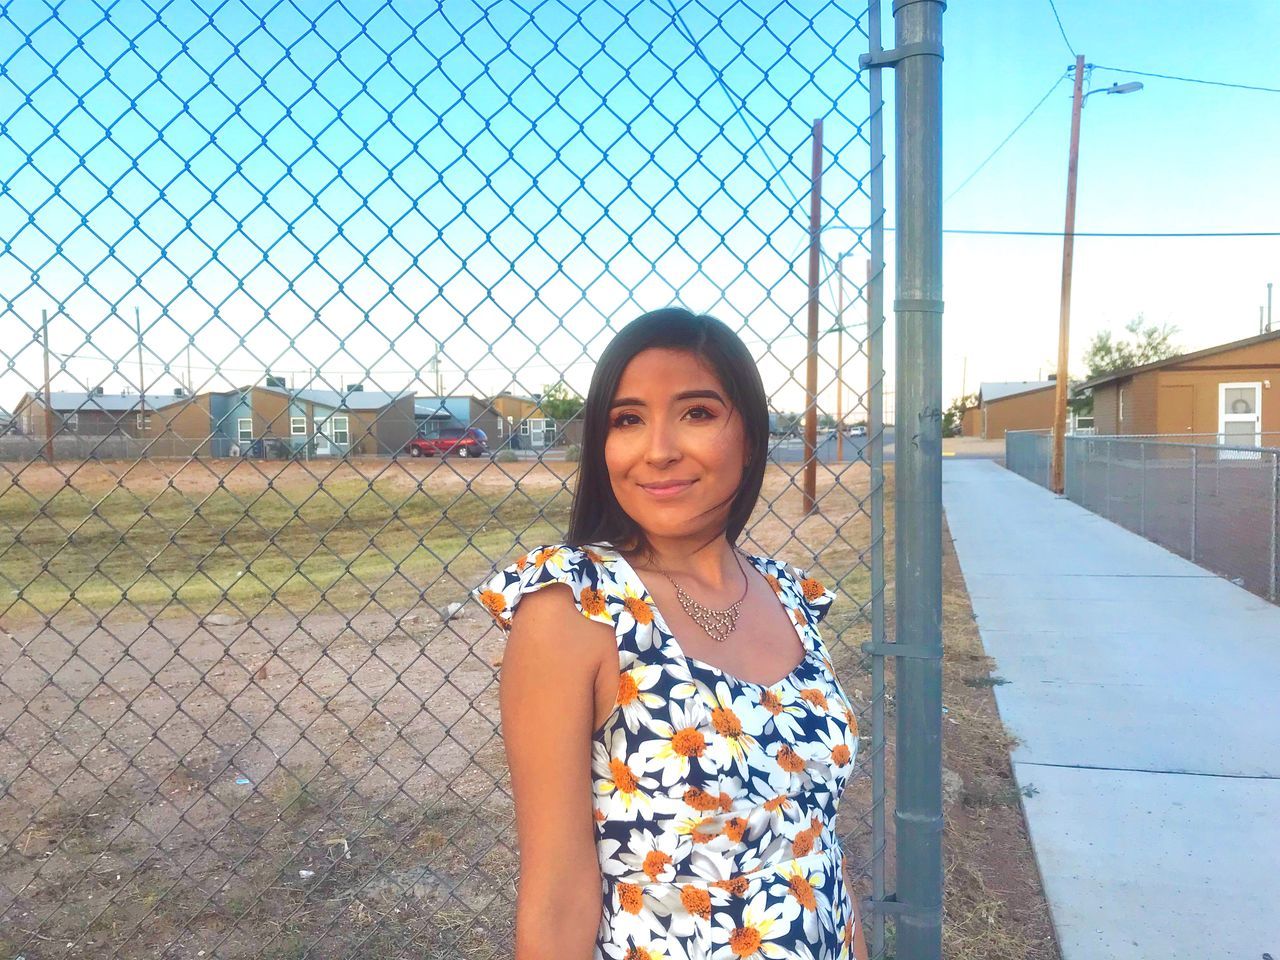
{"x":677,"y":739}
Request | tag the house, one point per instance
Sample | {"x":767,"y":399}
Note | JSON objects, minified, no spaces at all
{"x":94,"y":413}
{"x":1224,"y":391}
{"x":526,"y":424}
{"x":433,"y":414}
{"x":320,"y":423}
{"x":1017,"y":405}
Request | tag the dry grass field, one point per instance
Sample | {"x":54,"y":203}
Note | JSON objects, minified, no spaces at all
{"x":237,"y":723}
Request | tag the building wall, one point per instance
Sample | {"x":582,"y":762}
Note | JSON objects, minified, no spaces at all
{"x":1024,"y":411}
{"x":1257,"y":364}
{"x":1105,"y":405}
{"x":270,"y":413}
{"x":971,"y":423}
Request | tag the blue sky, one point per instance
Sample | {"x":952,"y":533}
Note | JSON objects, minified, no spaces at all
{"x":1174,"y":157}
{"x":425,"y":175}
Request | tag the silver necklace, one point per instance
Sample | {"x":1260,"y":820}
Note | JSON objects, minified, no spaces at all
{"x":718,"y":624}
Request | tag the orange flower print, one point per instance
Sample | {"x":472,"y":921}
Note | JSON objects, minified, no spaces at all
{"x":696,"y":900}
{"x":789,"y":760}
{"x":545,"y":554}
{"x":642,"y":612}
{"x":655,"y":861}
{"x":773,"y":582}
{"x":811,"y":588}
{"x":840,"y":755}
{"x":771,"y":702}
{"x":802,"y":890}
{"x":802,"y":845}
{"x":494,"y":602}
{"x":521,"y":563}
{"x":592,"y":555}
{"x":726,"y":722}
{"x":592,"y":601}
{"x":689,"y":742}
{"x":735,"y":885}
{"x":627,"y":689}
{"x":814,"y":696}
{"x":734,"y":828}
{"x":745,"y":941}
{"x":630,"y":897}
{"x":798,"y":616}
{"x":700,"y":800}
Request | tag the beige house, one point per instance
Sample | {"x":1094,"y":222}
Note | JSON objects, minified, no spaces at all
{"x":1025,"y":405}
{"x":1230,"y":391}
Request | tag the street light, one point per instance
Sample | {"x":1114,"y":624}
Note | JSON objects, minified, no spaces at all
{"x":1068,"y":245}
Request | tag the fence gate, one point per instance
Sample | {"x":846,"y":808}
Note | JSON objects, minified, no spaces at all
{"x":245,"y":710}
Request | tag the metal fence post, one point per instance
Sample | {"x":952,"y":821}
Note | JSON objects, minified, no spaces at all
{"x":1275,"y":523}
{"x":918,"y":490}
{"x":1142,"y":492}
{"x":1195,"y":497}
{"x":1106,"y":504}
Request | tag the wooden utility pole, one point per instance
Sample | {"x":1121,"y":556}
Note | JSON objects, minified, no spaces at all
{"x":1064,"y":316}
{"x":811,"y":367}
{"x":840,"y":360}
{"x":48,"y":395}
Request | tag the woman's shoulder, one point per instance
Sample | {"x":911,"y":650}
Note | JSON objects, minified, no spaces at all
{"x":807,"y":589}
{"x":582,"y":568}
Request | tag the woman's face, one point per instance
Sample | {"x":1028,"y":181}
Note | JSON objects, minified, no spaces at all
{"x":675,"y":448}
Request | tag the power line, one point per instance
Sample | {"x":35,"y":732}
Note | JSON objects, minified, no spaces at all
{"x":1210,"y":83}
{"x":1054,"y":8}
{"x":1000,"y":146}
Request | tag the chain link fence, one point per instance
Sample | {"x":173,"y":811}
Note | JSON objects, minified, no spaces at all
{"x":1029,"y":453}
{"x":1216,"y":505}
{"x":252,"y":256}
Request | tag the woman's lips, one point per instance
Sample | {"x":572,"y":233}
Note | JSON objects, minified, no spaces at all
{"x":666,"y":489}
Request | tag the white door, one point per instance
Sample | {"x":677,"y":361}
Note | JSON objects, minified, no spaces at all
{"x":1239,"y":417}
{"x":537,"y":433}
{"x":323,"y":449}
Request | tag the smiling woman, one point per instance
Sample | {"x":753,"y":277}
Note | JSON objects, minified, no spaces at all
{"x":675,"y":799}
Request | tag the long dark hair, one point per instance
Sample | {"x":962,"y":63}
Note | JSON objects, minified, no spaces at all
{"x":597,"y":516}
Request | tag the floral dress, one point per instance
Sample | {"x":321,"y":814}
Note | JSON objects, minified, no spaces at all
{"x":715,"y":798}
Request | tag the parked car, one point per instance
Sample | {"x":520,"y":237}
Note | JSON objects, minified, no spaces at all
{"x":858,"y":431}
{"x":465,"y":442}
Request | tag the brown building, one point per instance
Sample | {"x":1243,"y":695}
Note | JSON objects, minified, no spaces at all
{"x":1225,"y":391}
{"x":1026,"y":405}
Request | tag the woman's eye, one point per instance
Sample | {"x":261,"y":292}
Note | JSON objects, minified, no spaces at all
{"x":700,"y":413}
{"x":625,"y":420}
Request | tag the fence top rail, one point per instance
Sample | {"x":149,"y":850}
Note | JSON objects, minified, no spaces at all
{"x":1143,"y":441}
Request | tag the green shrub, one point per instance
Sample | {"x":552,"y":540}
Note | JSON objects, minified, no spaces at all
{"x":505,"y":456}
{"x":573,"y":452}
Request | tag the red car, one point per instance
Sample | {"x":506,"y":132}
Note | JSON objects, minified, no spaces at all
{"x":469,"y":442}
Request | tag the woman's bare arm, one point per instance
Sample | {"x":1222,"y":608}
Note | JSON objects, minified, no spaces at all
{"x":546,"y":693}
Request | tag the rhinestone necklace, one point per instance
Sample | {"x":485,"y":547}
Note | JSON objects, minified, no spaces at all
{"x":718,"y":624}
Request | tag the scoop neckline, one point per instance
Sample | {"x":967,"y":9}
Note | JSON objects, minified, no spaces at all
{"x":677,"y":651}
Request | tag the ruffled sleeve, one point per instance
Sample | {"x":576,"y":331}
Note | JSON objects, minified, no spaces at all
{"x":556,"y":563}
{"x":814,"y":595}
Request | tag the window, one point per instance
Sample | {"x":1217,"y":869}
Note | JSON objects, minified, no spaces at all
{"x":244,"y":429}
{"x":143,"y":421}
{"x":524,"y":428}
{"x":298,"y":426}
{"x":1121,"y":415}
{"x":71,"y":423}
{"x":339,"y":431}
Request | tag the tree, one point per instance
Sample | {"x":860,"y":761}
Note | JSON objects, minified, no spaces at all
{"x":1107,"y":354}
{"x":1145,"y":344}
{"x":953,"y":418}
{"x":560,"y":403}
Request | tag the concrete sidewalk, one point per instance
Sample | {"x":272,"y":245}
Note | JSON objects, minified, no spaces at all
{"x":1146,"y":693}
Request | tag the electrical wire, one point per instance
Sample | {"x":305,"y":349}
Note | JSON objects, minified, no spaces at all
{"x":1210,"y":83}
{"x":1082,"y":233}
{"x":1054,"y":8}
{"x":1000,"y":145}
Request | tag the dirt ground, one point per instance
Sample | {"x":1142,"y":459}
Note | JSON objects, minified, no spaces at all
{"x":327,"y":780}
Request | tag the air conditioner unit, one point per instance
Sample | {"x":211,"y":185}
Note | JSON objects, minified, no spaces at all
{"x":179,"y":392}
{"x":98,"y":391}
{"x":355,"y":388}
{"x":277,"y":382}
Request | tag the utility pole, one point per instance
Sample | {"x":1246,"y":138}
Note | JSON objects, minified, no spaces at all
{"x":840,"y":360}
{"x":1064,"y":316}
{"x":48,"y":395}
{"x":811,"y":365}
{"x":1268,"y":308}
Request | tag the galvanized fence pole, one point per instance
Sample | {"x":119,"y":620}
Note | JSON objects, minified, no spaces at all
{"x":1195,"y":497}
{"x":1275,"y":523}
{"x":918,"y":489}
{"x":1142,"y":491}
{"x":875,"y":385}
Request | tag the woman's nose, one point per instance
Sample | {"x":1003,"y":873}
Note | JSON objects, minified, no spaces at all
{"x":662,"y":446}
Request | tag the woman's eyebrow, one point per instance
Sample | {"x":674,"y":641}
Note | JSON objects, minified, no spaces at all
{"x":686,"y":395}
